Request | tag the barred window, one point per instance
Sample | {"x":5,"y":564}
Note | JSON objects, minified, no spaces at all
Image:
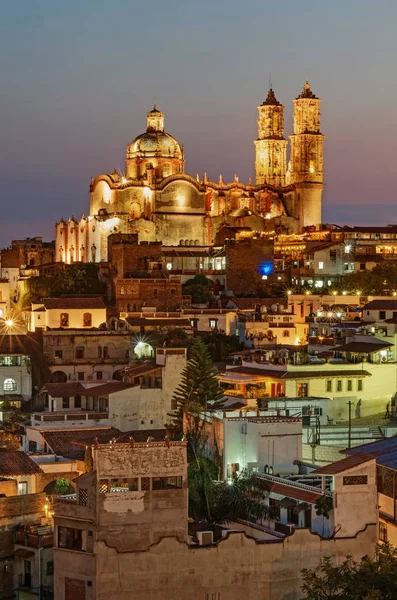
{"x":355,"y":480}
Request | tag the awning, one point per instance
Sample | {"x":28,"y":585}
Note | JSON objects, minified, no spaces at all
{"x":23,"y":553}
{"x":237,"y":378}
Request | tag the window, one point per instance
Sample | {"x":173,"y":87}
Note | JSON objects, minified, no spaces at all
{"x":349,"y":385}
{"x":32,"y":446}
{"x":50,"y":567}
{"x":64,"y":320}
{"x":70,"y":538}
{"x":285,"y":333}
{"x":213,"y":323}
{"x":362,"y":266}
{"x":173,"y":291}
{"x":285,"y":319}
{"x":105,"y":352}
{"x":80,"y":376}
{"x":382,"y":532}
{"x":65,"y":402}
{"x":355,"y":480}
{"x":10,"y":385}
{"x":339,"y":385}
{"x":83,"y":497}
{"x":87,"y":320}
{"x":166,"y":483}
{"x":194,"y":323}
{"x":99,"y":375}
{"x":155,"y":292}
{"x":99,"y":351}
{"x":359,"y":385}
{"x":77,"y":401}
{"x":80,"y":352}
{"x":329,"y":385}
{"x":58,"y":354}
{"x":382,"y":315}
{"x":321,"y":265}
{"x":22,"y":488}
{"x":302,"y":390}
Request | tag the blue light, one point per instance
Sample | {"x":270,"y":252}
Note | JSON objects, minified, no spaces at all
{"x":266,"y":267}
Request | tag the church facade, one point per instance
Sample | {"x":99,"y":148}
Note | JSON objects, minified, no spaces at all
{"x":155,"y":199}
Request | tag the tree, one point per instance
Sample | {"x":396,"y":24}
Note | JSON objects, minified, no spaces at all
{"x":373,"y":578}
{"x":199,"y":386}
{"x":221,"y":345}
{"x":62,"y":487}
{"x":199,"y":288}
{"x":379,"y":280}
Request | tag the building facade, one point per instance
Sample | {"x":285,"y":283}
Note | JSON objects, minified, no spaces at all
{"x":158,"y":201}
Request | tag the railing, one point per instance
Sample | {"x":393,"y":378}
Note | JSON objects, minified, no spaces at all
{"x":70,"y":416}
{"x":294,"y":484}
{"x":34,"y":540}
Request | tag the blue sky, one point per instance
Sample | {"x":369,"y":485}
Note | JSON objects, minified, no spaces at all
{"x":79,"y":76}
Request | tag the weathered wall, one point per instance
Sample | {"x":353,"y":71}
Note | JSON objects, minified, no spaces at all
{"x":235,"y":568}
{"x":321,"y":455}
{"x":243,"y":262}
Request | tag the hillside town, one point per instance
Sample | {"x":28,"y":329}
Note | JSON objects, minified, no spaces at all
{"x":198,"y":381}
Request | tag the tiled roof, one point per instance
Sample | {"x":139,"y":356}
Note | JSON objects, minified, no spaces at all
{"x":275,"y":373}
{"x":381,"y":305}
{"x":75,"y":388}
{"x":296,"y":493}
{"x":64,"y":390}
{"x":251,"y":303}
{"x":71,"y":302}
{"x":17,"y":463}
{"x":139,"y":370}
{"x":344,"y":464}
{"x":363,"y":347}
{"x":314,"y":373}
{"x":175,"y":322}
{"x":385,"y":451}
{"x":70,"y":443}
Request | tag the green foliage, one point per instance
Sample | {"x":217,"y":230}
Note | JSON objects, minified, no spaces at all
{"x":62,"y":487}
{"x":381,"y":279}
{"x":323,"y":506}
{"x":220,"y":345}
{"x":199,"y":385}
{"x":199,"y":288}
{"x":71,"y":280}
{"x":373,"y":578}
{"x":220,"y":501}
{"x":172,"y":338}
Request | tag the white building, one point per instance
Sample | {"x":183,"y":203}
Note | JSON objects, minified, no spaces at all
{"x":67,"y":312}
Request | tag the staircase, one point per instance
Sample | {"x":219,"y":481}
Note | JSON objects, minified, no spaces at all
{"x":338,"y":435}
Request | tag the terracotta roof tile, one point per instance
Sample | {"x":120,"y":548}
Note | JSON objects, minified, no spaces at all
{"x":344,"y":464}
{"x":326,"y":373}
{"x":70,"y":443}
{"x":71,"y":302}
{"x":296,"y":493}
{"x":17,"y":463}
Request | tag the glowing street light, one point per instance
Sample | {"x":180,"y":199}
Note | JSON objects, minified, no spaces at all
{"x":9,"y":322}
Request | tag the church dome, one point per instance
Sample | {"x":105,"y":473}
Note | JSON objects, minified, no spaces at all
{"x":155,"y":141}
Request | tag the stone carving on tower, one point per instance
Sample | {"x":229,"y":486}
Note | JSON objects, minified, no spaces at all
{"x":270,"y":147}
{"x":306,"y":161}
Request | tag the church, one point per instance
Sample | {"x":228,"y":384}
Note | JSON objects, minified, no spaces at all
{"x":155,"y":199}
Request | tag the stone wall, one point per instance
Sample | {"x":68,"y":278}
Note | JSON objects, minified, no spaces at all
{"x":321,"y":455}
{"x":15,"y":506}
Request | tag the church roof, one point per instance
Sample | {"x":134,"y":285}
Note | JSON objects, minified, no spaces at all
{"x":156,"y":141}
{"x":271,"y":99}
{"x":307,"y":92}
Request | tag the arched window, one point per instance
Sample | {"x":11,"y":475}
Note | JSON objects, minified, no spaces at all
{"x":87,"y":320}
{"x":285,"y":333}
{"x":64,"y":320}
{"x":10,"y":385}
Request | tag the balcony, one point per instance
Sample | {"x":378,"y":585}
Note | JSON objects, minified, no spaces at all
{"x":34,"y":539}
{"x":79,"y":415}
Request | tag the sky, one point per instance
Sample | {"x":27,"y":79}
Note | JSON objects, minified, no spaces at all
{"x":78,"y":77}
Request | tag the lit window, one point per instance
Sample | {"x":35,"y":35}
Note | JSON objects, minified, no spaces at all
{"x":64,"y":320}
{"x":321,"y":265}
{"x":87,"y":320}
{"x":302,"y":390}
{"x":10,"y":385}
{"x":213,"y":323}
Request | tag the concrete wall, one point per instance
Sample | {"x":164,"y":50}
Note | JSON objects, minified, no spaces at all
{"x":52,"y":318}
{"x":355,"y":505}
{"x":237,"y":567}
{"x":321,"y":455}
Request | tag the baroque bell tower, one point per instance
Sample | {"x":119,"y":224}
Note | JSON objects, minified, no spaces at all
{"x":306,"y":161}
{"x":270,"y":147}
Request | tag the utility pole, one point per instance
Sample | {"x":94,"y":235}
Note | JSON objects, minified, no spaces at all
{"x":350,"y":425}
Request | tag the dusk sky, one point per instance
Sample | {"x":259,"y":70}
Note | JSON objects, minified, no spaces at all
{"x":78,"y":77}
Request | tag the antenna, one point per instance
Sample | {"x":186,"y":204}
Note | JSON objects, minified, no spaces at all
{"x":270,"y":81}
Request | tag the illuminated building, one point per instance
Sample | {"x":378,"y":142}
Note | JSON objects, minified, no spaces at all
{"x":157,"y":200}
